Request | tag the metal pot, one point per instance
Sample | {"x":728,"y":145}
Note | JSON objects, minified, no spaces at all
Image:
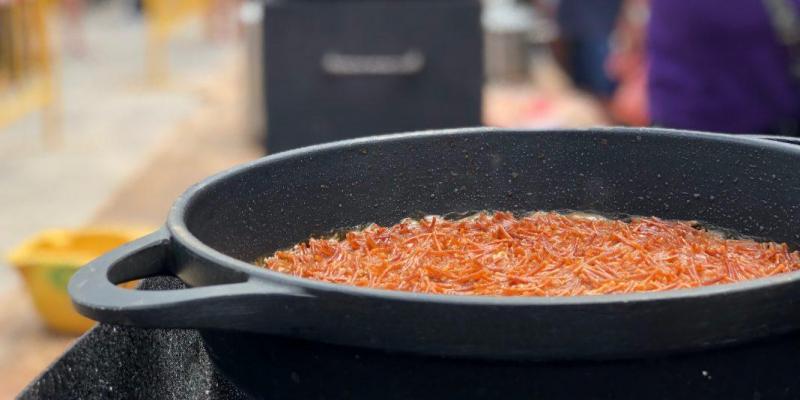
{"x":278,"y":335}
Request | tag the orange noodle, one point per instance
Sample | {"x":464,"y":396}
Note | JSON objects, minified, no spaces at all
{"x":542,"y":254}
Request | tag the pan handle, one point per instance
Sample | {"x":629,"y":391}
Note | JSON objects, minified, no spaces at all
{"x":95,"y":293}
{"x":775,"y":138}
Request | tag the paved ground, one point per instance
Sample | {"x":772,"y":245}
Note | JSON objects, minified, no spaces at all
{"x":210,"y":138}
{"x":112,"y":122}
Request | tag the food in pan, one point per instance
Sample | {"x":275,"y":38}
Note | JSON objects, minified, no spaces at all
{"x":540,"y":254}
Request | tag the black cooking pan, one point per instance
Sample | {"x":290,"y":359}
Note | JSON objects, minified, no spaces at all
{"x":318,"y":339}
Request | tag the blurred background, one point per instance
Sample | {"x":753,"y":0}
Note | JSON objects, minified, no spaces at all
{"x":109,"y":109}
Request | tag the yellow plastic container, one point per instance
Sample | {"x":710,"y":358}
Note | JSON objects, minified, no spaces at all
{"x":47,"y":262}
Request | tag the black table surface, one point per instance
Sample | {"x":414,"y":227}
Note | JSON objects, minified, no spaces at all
{"x":132,"y":363}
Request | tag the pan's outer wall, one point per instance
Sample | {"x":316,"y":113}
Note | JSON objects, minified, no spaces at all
{"x":746,"y":185}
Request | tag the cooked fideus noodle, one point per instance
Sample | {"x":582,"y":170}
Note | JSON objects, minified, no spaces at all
{"x":541,"y":254}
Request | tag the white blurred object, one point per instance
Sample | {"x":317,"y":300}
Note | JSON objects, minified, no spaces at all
{"x":506,"y":16}
{"x":511,"y":29}
{"x":251,"y":12}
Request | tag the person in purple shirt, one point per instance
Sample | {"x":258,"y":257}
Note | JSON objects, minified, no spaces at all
{"x":720,"y":66}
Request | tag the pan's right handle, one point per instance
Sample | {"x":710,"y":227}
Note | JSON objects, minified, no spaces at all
{"x":775,"y":138}
{"x":95,"y":293}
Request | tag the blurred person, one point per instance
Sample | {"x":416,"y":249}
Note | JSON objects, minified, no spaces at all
{"x":585,"y":28}
{"x":221,"y":21}
{"x":627,"y":64}
{"x":720,"y":66}
{"x":74,"y":36}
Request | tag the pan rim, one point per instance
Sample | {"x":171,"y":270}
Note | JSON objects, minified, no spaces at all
{"x":179,"y":231}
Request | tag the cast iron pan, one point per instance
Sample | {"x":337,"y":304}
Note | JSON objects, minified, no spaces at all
{"x":221,"y":224}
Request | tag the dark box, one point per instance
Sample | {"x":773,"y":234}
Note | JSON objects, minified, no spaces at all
{"x":345,"y":69}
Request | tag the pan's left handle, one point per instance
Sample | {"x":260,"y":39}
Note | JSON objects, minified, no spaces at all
{"x":95,"y":293}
